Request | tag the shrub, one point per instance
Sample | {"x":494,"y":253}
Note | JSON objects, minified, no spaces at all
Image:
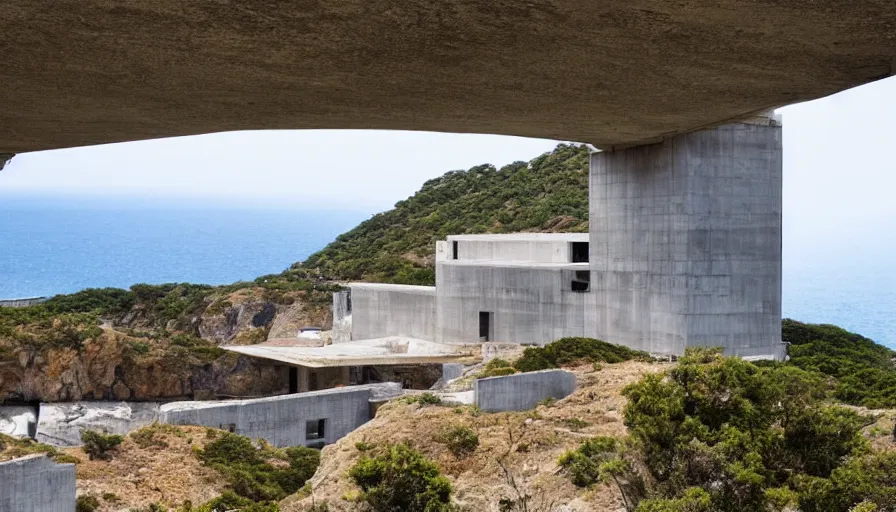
{"x":567,"y":351}
{"x":584,"y":464}
{"x":98,"y":445}
{"x":462,"y":441}
{"x":424,"y":399}
{"x":401,"y":478}
{"x":250,"y":474}
{"x":86,"y":503}
{"x":498,"y":372}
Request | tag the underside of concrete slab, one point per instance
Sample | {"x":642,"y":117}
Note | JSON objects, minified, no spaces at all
{"x":610,"y":72}
{"x":686,"y":242}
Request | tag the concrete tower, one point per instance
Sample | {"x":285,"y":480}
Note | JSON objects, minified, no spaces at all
{"x":686,"y":242}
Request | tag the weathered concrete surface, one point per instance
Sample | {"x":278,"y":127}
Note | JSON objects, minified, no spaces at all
{"x":528,"y":303}
{"x":61,"y":424}
{"x":610,"y":72}
{"x":342,"y":316}
{"x":281,"y":420}
{"x":380,"y":310}
{"x":18,"y":420}
{"x":686,"y":242}
{"x":522,"y":391}
{"x":515,"y":247}
{"x":36,"y":484}
{"x":19,"y":303}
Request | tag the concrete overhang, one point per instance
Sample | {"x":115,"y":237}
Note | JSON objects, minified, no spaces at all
{"x":392,"y":350}
{"x":606,"y":72}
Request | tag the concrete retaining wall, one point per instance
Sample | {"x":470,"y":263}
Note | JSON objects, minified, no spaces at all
{"x":61,"y":424}
{"x":381,"y":310}
{"x":522,"y":391}
{"x":283,"y":420}
{"x":342,"y":316}
{"x":36,"y":484}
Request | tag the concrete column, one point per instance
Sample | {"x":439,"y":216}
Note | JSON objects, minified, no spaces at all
{"x":686,"y":242}
{"x":302,"y":375}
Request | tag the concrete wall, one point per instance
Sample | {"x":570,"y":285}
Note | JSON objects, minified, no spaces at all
{"x":36,"y":484}
{"x":524,"y":247}
{"x":522,"y":391}
{"x":21,"y":303}
{"x":380,"y":310}
{"x":282,"y":420}
{"x":686,"y":242}
{"x":529,"y":304}
{"x":61,"y":424}
{"x":342,"y":316}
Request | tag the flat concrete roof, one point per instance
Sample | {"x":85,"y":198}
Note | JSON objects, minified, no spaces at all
{"x":516,"y":264}
{"x":521,"y":237}
{"x":608,"y":72}
{"x":392,"y":350}
{"x":407,"y":288}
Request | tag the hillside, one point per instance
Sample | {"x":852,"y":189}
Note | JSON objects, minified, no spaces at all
{"x":549,"y":193}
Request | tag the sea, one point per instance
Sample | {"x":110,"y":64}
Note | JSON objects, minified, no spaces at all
{"x":52,"y":245}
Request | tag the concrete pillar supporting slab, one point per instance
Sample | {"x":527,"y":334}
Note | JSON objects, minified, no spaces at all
{"x":303,"y":379}
{"x":686,"y":242}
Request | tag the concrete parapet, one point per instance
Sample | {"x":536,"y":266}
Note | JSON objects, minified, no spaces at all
{"x":522,"y":391}
{"x":61,"y":424}
{"x":311,"y":419}
{"x":21,"y":303}
{"x":36,"y":484}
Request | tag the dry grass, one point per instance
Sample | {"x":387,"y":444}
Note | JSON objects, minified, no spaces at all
{"x":164,"y":471}
{"x":529,"y":444}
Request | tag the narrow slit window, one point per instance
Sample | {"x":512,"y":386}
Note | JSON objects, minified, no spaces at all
{"x":454,"y":250}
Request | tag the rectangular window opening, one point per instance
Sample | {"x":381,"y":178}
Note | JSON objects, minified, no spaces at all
{"x":454,"y":250}
{"x":316,"y":433}
{"x":582,"y":281}
{"x":293,"y":379}
{"x":578,"y":252}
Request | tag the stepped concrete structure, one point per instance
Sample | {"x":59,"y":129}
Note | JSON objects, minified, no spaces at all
{"x":684,"y":249}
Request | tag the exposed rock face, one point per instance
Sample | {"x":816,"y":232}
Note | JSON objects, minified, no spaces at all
{"x":18,"y":420}
{"x":108,"y":369}
{"x":62,"y":424}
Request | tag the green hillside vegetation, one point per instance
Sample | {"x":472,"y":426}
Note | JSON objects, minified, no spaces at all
{"x":550,"y":193}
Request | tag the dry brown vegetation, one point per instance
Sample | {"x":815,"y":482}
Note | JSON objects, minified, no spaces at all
{"x":528,"y":444}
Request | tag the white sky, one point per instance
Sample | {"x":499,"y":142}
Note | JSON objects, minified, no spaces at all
{"x":839,"y":165}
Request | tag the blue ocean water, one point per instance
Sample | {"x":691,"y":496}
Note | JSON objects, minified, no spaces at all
{"x":52,"y":245}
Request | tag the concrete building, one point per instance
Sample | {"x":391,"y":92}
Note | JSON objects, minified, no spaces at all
{"x":684,"y":249}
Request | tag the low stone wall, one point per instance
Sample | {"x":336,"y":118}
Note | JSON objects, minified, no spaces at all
{"x":313,"y":418}
{"x":522,"y":391}
{"x":61,"y":424}
{"x":36,"y":484}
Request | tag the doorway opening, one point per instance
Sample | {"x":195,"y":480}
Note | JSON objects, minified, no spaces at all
{"x":486,"y":326}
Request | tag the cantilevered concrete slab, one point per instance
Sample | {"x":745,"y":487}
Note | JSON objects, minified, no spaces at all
{"x":392,"y":350}
{"x":608,"y":72}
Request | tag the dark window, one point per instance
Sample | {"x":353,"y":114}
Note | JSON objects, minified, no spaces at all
{"x":312,"y":381}
{"x":454,"y":250}
{"x":230,"y":427}
{"x":485,"y":326}
{"x":582,"y":281}
{"x":293,"y":379}
{"x":579,"y":252}
{"x":315,"y":433}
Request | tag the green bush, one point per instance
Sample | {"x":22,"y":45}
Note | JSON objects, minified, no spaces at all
{"x":585,"y":464}
{"x":748,"y":436}
{"x":865,"y":371}
{"x":401,"y":478}
{"x":462,"y":441}
{"x":567,"y":351}
{"x":98,"y":445}
{"x":426,"y":398}
{"x":250,"y":474}
{"x":86,"y":503}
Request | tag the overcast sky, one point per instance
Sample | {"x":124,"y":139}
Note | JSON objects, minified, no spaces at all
{"x":839,"y":166}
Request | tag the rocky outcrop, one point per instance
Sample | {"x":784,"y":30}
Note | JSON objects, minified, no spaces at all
{"x":62,"y":424}
{"x":18,"y":420}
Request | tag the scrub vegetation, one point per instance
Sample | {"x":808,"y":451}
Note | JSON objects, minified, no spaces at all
{"x":549,"y":193}
{"x":721,"y":434}
{"x":569,"y":351}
